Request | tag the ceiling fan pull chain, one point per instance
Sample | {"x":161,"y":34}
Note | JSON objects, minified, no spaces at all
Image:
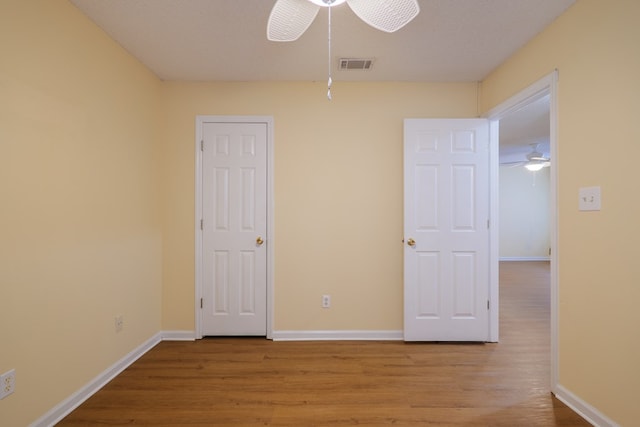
{"x":330,"y":81}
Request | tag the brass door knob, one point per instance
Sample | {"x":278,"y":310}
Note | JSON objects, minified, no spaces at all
{"x":411,"y":242}
{"x":259,"y":241}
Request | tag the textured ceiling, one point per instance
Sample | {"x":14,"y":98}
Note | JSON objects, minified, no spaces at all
{"x":200,"y":40}
{"x":525,"y":129}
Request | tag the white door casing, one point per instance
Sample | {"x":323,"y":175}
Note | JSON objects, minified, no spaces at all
{"x":446,"y":267}
{"x":234,"y":239}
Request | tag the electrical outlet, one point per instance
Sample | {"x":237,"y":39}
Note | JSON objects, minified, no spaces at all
{"x":326,"y":301}
{"x":7,"y":383}
{"x":119,"y":322}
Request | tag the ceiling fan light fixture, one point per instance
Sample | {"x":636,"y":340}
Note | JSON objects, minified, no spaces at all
{"x":536,"y":160}
{"x":327,"y":3}
{"x":535,"y":166}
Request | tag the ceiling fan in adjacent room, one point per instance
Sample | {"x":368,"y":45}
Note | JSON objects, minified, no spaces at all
{"x":535,"y":160}
{"x":289,"y":19}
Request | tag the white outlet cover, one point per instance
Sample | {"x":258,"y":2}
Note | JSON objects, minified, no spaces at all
{"x":7,"y":383}
{"x":589,"y":199}
{"x":326,"y":301}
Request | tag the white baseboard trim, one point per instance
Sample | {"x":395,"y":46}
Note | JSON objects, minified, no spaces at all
{"x":337,"y":335}
{"x":76,"y":399}
{"x":524,"y":258}
{"x":178,"y":335}
{"x":65,"y":407}
{"x":582,"y":408}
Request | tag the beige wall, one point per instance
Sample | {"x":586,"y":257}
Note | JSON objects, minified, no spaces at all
{"x":338,"y":194}
{"x":524,"y":213}
{"x":594,"y":45}
{"x":80,"y":234}
{"x":97,"y":190}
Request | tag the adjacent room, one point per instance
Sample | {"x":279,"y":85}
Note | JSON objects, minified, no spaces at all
{"x":110,"y":109}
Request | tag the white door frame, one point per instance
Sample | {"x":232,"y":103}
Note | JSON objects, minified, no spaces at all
{"x":547,"y":85}
{"x":268,"y":121}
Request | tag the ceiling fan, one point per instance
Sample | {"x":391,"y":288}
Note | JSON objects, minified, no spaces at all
{"x":535,"y":160}
{"x":289,"y":19}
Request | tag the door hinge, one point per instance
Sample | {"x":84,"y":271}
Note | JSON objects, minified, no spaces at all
{"x":201,"y":303}
{"x":487,"y":304}
{"x":488,"y":224}
{"x":202,"y":145}
{"x":202,"y":224}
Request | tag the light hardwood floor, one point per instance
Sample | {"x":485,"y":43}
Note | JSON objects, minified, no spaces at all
{"x":252,"y":382}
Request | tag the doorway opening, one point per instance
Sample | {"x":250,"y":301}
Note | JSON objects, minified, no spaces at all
{"x":546,"y":88}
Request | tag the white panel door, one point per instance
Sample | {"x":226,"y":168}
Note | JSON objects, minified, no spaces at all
{"x":446,"y":220}
{"x":234,"y":200}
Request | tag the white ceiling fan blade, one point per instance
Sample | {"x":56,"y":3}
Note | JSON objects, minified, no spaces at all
{"x":540,"y":158}
{"x":512,"y":164}
{"x":289,"y":19}
{"x":385,"y":15}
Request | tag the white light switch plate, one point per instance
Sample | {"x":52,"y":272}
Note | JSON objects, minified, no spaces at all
{"x":589,"y":199}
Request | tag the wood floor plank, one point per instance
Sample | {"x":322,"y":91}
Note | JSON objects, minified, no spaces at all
{"x":253,"y":381}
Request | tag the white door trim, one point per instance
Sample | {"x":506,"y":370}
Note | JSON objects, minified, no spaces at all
{"x":494,"y":235}
{"x":546,"y":85}
{"x":268,"y":121}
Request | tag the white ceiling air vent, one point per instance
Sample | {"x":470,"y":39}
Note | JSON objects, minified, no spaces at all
{"x":355,"y":63}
